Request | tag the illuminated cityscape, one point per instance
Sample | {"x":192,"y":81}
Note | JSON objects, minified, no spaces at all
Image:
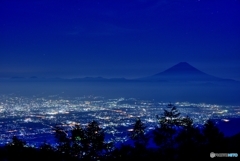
{"x":34,"y":118}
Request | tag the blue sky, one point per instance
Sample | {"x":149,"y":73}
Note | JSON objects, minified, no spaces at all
{"x":123,"y":38}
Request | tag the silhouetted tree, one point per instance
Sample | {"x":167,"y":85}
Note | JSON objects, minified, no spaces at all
{"x":168,"y":122}
{"x":138,"y":134}
{"x":170,"y":117}
{"x":79,"y":141}
{"x":213,"y":138}
{"x":16,"y":147}
{"x":140,"y":140}
{"x":63,"y":141}
{"x":94,"y":144}
{"x":46,"y":147}
{"x":124,"y":152}
{"x":16,"y":142}
{"x":186,"y":122}
{"x":234,"y":143}
{"x":47,"y":152}
{"x":165,"y":133}
{"x":189,"y":140}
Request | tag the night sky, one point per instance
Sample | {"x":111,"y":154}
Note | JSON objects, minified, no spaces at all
{"x":120,"y":38}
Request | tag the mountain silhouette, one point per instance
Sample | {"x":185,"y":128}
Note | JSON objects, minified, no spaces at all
{"x":182,"y":71}
{"x":182,"y":68}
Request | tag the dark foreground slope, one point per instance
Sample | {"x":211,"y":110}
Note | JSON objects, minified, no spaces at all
{"x":183,"y":143}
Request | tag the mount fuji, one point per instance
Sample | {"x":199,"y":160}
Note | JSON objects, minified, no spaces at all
{"x":183,"y":71}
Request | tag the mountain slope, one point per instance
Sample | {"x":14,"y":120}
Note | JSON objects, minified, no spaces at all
{"x":182,"y":72}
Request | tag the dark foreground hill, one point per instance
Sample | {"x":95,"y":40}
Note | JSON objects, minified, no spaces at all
{"x":186,"y":142}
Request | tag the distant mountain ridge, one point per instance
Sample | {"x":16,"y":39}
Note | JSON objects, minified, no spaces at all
{"x":181,"y":72}
{"x":58,"y":79}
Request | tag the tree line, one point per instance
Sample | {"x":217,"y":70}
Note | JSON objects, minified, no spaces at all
{"x":175,"y":137}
